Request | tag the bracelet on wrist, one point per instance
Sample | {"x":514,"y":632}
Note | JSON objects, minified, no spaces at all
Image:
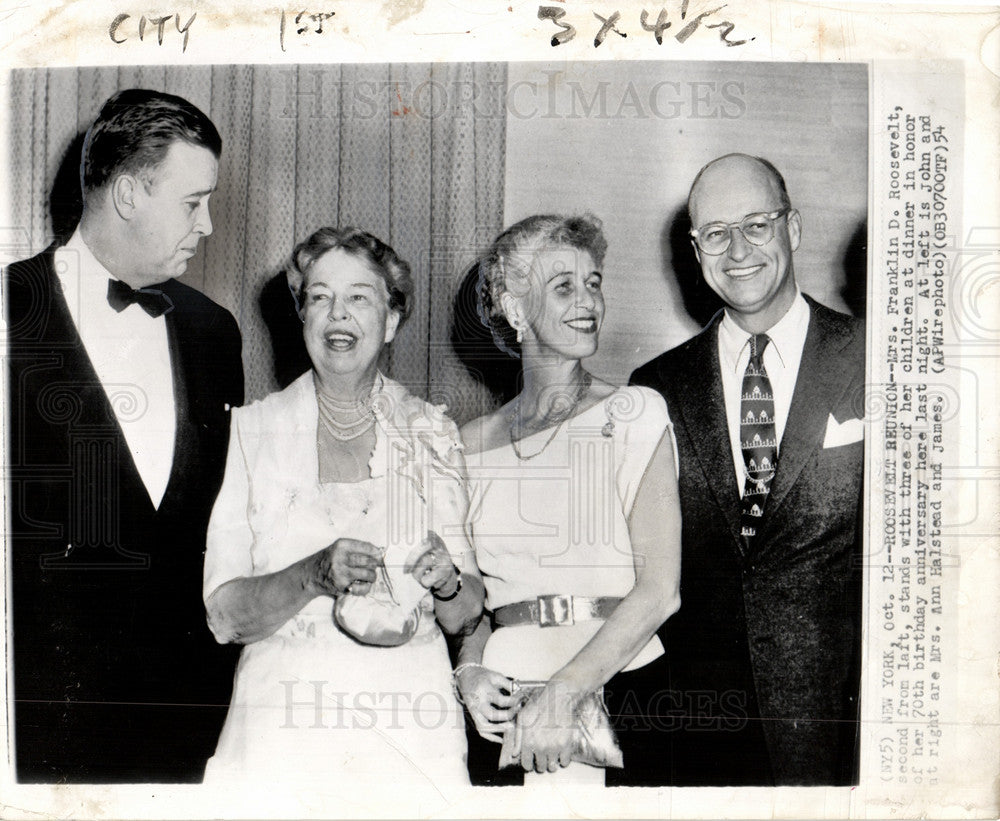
{"x":455,"y":592}
{"x":457,"y":671}
{"x":466,"y":665}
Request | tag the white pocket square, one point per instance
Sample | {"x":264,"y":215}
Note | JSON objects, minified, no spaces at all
{"x":843,"y":433}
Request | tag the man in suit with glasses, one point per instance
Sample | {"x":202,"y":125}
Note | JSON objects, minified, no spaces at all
{"x":766,"y":403}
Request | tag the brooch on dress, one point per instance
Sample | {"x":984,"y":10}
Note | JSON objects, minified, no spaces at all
{"x":609,"y":427}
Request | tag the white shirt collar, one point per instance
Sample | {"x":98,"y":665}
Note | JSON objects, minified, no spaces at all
{"x":788,"y":334}
{"x":84,"y":283}
{"x":86,"y":264}
{"x":83,"y":279}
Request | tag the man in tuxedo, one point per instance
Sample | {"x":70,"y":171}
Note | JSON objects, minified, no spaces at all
{"x":766,"y":403}
{"x":121,"y":381}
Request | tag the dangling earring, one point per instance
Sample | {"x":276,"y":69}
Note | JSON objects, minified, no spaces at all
{"x":518,"y":327}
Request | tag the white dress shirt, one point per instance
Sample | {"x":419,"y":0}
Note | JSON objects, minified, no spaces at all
{"x":131,"y":356}
{"x":781,"y":360}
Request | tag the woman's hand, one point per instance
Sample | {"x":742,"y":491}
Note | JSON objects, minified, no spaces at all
{"x":547,"y":723}
{"x":434,"y":568}
{"x":489,"y":698}
{"x":250,"y":608}
{"x":346,"y":566}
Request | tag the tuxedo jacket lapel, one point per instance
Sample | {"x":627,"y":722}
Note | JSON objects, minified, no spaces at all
{"x":824,"y":375}
{"x":185,"y":436}
{"x":78,"y":371}
{"x":703,"y":413}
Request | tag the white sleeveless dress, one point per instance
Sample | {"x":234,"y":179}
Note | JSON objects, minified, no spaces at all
{"x":556,"y":523}
{"x":312,"y":708}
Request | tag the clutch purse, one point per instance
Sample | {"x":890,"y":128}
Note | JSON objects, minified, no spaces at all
{"x":389,"y":613}
{"x":594,"y":740}
{"x":377,"y":618}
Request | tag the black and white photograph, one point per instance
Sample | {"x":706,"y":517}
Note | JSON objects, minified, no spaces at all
{"x":485,"y":437}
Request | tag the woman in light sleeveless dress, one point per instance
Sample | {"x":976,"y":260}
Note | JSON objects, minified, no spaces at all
{"x":329,"y":483}
{"x":575,"y":520}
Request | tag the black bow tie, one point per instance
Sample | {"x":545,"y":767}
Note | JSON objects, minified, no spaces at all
{"x":152,"y":301}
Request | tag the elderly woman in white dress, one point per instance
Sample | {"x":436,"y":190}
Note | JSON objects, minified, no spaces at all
{"x":336,"y":554}
{"x":575,"y":519}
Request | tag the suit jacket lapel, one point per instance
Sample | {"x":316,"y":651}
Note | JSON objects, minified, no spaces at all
{"x":184,"y":446}
{"x":60,"y":332}
{"x":184,"y":369}
{"x":823,"y":377}
{"x":703,"y":413}
{"x":79,"y":371}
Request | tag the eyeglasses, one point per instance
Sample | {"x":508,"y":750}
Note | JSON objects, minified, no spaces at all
{"x":758,"y":229}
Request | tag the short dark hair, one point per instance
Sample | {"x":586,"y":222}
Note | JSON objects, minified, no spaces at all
{"x":382,"y":258}
{"x":134,"y":131}
{"x":528,"y":236}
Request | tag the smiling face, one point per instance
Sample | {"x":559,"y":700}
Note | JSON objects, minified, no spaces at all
{"x":560,"y":304}
{"x":346,"y":316}
{"x":757,"y":282}
{"x":168,"y":213}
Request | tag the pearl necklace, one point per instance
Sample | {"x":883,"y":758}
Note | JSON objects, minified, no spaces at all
{"x":547,"y":419}
{"x":344,"y":431}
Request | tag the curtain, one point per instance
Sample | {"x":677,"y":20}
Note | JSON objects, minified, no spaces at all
{"x":413,"y":153}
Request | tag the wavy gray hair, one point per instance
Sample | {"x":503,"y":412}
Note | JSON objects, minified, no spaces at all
{"x":521,"y":241}
{"x":381,"y":257}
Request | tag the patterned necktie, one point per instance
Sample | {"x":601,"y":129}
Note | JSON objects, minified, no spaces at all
{"x":758,"y":438}
{"x":152,"y":301}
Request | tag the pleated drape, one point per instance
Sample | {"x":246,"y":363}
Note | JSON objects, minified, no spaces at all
{"x":413,"y":153}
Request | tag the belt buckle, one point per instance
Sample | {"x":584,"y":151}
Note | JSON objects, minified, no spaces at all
{"x":554,"y":611}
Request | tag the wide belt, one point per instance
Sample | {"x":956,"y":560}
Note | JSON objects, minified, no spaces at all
{"x":553,"y":611}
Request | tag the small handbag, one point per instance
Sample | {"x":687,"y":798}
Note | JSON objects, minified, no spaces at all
{"x":377,"y":618}
{"x":389,"y":613}
{"x":594,"y":740}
